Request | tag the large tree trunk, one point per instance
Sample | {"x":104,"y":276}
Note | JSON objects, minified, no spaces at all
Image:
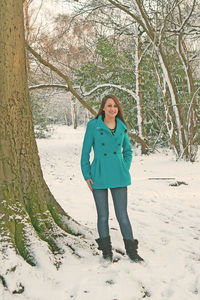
{"x":25,"y":200}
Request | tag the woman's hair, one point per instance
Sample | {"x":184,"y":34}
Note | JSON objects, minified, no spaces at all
{"x":120,"y":113}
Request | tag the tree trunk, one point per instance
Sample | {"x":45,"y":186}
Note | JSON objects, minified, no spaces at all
{"x":138,"y":90}
{"x":191,"y":118}
{"x":74,"y":113}
{"x":185,"y":138}
{"x":25,"y":199}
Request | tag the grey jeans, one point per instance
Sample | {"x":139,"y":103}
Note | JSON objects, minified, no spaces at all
{"x":119,"y":196}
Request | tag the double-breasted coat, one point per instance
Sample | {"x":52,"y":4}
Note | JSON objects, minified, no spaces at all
{"x":112,"y":155}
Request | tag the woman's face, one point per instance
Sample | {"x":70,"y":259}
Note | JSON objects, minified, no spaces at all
{"x":110,"y":108}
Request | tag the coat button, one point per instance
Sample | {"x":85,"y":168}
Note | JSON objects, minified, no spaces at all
{"x":105,"y":154}
{"x":101,"y":133}
{"x":118,"y":144}
{"x":114,"y":152}
{"x":125,"y":130}
{"x":102,"y":144}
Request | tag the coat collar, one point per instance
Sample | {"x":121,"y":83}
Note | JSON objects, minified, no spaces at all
{"x":120,"y":125}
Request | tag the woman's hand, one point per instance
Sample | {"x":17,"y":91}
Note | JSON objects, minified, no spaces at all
{"x":89,"y":182}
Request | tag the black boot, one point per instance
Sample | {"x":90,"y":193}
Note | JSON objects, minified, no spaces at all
{"x":131,"y":250}
{"x":105,"y":245}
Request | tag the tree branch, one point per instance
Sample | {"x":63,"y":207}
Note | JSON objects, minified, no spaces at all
{"x":111,"y":85}
{"x":65,"y":77}
{"x":72,"y":90}
{"x":127,"y":11}
{"x":44,"y":86}
{"x":188,"y":17}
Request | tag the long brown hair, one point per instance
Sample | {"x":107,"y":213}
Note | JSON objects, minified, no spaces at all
{"x":120,"y":113}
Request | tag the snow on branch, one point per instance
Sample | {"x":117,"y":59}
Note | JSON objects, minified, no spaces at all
{"x":63,"y":76}
{"x":130,"y":92}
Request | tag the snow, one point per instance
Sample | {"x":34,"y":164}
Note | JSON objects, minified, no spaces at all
{"x":165,"y":220}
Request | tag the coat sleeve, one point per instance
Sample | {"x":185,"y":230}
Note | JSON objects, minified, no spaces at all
{"x":127,"y":150}
{"x":86,"y":149}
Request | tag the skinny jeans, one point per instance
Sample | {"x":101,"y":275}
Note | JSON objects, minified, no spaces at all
{"x":119,"y":196}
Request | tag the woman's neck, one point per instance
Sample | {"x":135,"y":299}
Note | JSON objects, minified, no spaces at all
{"x":110,"y":122}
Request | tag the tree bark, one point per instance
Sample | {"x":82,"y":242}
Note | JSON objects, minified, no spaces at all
{"x":25,"y":199}
{"x":138,"y":90}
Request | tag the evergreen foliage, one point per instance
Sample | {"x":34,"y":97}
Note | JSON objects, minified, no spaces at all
{"x":42,"y":123}
{"x":114,"y":63}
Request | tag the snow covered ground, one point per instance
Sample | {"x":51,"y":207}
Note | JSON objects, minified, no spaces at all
{"x":165,"y":220}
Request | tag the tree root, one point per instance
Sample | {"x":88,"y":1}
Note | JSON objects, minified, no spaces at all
{"x":22,"y":243}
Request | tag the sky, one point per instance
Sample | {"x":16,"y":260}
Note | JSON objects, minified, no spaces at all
{"x":43,"y":11}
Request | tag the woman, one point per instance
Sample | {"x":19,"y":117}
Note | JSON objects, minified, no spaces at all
{"x":108,"y":135}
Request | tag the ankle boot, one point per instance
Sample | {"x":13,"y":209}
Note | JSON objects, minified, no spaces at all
{"x":131,"y":247}
{"x":105,"y":245}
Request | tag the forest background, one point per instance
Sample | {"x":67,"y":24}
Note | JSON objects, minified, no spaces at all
{"x":145,"y":52}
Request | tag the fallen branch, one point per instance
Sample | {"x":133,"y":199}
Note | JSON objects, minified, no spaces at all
{"x":161,"y":178}
{"x":45,"y":86}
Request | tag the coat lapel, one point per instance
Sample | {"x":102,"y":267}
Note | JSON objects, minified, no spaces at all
{"x":121,"y":127}
{"x":102,"y":125}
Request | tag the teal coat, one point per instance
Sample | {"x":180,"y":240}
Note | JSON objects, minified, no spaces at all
{"x":112,"y":155}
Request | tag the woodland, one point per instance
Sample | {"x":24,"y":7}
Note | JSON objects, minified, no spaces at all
{"x":145,"y":52}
